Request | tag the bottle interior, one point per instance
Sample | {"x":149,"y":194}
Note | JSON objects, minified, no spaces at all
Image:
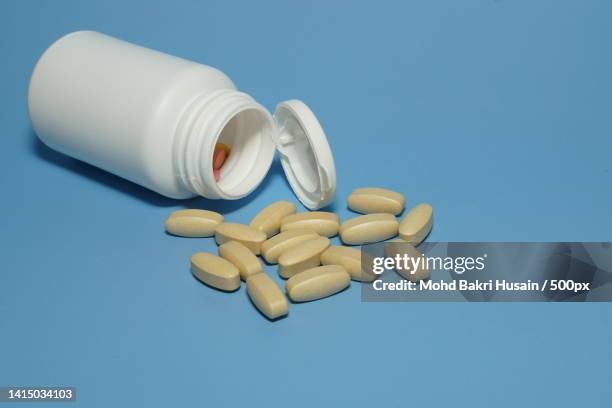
{"x":248,"y":135}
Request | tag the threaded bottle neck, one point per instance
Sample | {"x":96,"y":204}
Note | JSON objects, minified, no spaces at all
{"x":235,"y":119}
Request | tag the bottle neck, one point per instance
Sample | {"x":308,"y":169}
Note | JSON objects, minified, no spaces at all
{"x":235,"y":119}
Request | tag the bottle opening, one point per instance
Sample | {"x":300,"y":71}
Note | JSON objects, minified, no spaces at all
{"x":251,"y":151}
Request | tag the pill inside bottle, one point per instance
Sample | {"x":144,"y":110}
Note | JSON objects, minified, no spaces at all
{"x":220,"y":155}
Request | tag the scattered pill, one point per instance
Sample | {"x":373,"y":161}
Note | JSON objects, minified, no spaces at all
{"x":193,"y":223}
{"x":417,"y":224}
{"x":301,"y":257}
{"x":215,"y":271}
{"x":406,"y":250}
{"x":368,"y":228}
{"x":303,"y":245}
{"x":317,"y":283}
{"x":242,"y":258}
{"x":247,"y":236}
{"x":267,"y":296}
{"x":269,"y":219}
{"x":372,"y":200}
{"x":322,"y":222}
{"x":272,"y":248}
{"x":350,"y":259}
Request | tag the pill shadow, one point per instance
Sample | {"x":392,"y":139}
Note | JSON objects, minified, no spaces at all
{"x":323,"y":298}
{"x":188,"y":238}
{"x":354,"y":213}
{"x":109,"y":180}
{"x":263,"y":315}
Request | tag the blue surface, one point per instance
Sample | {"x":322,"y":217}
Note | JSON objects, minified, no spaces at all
{"x":497,"y":112}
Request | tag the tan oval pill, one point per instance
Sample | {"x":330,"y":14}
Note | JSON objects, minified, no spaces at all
{"x":417,"y":224}
{"x":272,"y":248}
{"x":242,"y":258}
{"x":372,"y":200}
{"x":411,"y":257}
{"x":368,"y":228}
{"x":269,"y":219}
{"x":349,"y":259}
{"x":193,"y":223}
{"x":322,"y":222}
{"x":247,"y":236}
{"x":267,"y":296}
{"x":215,"y":271}
{"x":301,"y":257}
{"x":317,"y":283}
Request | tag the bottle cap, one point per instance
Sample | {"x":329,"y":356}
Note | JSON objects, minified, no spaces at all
{"x":305,"y":154}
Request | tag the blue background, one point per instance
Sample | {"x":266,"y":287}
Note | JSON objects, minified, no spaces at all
{"x":499,"y":113}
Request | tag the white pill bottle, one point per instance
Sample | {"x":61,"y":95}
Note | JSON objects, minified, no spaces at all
{"x":155,"y":119}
